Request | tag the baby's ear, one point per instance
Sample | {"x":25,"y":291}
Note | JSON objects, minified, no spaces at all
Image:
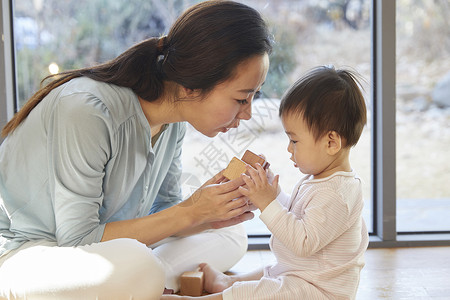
{"x":334,"y":142}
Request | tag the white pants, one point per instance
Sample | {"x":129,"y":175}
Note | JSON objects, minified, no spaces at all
{"x":117,"y":269}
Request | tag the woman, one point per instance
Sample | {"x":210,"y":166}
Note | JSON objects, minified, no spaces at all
{"x":92,"y":161}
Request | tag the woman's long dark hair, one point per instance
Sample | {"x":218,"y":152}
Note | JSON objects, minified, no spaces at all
{"x":202,"y":49}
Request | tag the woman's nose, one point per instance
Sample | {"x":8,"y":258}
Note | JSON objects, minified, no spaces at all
{"x":246,"y":112}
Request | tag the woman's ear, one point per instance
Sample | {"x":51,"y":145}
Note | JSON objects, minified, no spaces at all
{"x":334,"y":141}
{"x":190,"y":93}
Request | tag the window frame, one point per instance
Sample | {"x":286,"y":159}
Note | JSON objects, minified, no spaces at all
{"x":7,"y":75}
{"x":383,"y":95}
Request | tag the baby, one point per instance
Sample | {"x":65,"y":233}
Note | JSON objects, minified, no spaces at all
{"x":318,"y":234}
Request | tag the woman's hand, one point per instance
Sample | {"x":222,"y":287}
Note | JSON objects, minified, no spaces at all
{"x":220,"y":204}
{"x":260,"y":188}
{"x":246,"y":216}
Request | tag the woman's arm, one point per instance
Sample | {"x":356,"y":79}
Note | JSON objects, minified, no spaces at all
{"x":246,"y":216}
{"x":80,"y":147}
{"x":212,"y":202}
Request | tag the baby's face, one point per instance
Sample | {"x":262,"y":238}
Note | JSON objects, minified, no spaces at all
{"x":309,"y":155}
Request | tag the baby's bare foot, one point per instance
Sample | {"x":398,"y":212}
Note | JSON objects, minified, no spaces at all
{"x":215,"y":281}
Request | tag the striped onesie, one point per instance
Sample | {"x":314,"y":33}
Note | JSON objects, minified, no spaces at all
{"x":318,"y":238}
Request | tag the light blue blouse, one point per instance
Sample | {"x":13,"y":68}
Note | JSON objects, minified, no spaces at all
{"x":83,"y":158}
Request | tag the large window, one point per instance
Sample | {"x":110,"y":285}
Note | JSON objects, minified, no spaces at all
{"x":45,"y":36}
{"x":423,"y":116}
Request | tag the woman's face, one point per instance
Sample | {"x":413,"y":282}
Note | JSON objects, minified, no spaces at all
{"x":230,"y":101}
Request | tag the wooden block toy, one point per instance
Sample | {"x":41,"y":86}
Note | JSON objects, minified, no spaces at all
{"x":191,"y":283}
{"x":235,"y":168}
{"x":252,"y":159}
{"x":238,"y":166}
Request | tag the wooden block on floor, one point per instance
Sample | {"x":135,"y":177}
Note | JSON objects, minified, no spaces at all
{"x":191,"y":283}
{"x":235,"y":168}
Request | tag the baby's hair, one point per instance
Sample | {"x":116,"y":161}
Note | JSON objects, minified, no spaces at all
{"x":328,"y":100}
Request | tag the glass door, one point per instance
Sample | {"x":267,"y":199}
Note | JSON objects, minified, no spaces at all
{"x":423,"y":116}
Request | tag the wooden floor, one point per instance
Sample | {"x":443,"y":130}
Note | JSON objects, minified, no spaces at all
{"x":398,"y":273}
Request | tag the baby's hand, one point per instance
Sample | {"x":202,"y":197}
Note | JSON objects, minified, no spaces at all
{"x":258,"y":189}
